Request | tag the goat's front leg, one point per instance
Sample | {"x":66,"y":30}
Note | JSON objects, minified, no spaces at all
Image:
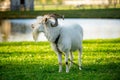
{"x":60,"y":61}
{"x":59,"y":54}
{"x":66,"y":61}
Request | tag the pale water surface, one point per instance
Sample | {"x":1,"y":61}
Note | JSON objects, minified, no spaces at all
{"x":20,"y":29}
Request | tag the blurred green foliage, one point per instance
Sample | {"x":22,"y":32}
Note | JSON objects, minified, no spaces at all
{"x":88,"y":13}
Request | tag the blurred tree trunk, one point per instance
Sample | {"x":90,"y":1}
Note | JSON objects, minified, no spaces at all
{"x":110,"y":2}
{"x":115,"y":3}
{"x":5,"y":30}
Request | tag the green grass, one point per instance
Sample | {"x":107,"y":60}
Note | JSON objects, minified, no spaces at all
{"x":37,"y":61}
{"x":80,"y":13}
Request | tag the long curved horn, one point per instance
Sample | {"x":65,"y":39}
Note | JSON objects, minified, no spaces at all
{"x":55,"y":16}
{"x":59,"y":16}
{"x":56,"y":21}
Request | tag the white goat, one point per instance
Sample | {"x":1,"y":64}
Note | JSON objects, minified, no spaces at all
{"x":66,"y":38}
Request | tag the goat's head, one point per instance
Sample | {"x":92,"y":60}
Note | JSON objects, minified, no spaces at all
{"x":47,"y":19}
{"x":37,"y":27}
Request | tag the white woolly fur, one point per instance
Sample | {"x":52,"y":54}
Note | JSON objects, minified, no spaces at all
{"x":71,"y":36}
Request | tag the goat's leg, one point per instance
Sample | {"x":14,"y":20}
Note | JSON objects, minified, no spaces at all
{"x":66,"y":61}
{"x":59,"y":54}
{"x":80,"y":58}
{"x":71,"y":60}
{"x":60,"y":61}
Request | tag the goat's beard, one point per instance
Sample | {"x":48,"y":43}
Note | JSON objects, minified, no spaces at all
{"x":35,"y":35}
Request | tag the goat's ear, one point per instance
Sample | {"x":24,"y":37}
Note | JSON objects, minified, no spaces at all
{"x":46,"y":20}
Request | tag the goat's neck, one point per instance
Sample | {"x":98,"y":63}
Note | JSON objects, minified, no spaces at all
{"x":52,"y":33}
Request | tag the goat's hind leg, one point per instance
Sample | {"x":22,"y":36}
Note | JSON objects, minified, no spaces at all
{"x":80,"y":58}
{"x":71,"y":60}
{"x":66,"y":61}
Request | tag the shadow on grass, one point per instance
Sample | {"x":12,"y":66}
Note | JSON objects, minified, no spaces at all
{"x":43,"y":71}
{"x":23,"y":43}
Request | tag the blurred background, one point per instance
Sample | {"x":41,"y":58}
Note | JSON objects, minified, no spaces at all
{"x":97,"y":17}
{"x":57,"y":4}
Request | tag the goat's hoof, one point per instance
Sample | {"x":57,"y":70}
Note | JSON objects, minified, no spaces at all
{"x":67,"y":71}
{"x":60,"y":71}
{"x":80,"y":68}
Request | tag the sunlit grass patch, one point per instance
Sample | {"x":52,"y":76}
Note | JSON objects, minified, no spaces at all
{"x":37,"y":61}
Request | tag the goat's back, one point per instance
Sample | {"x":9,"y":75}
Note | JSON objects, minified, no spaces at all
{"x":73,"y":30}
{"x":73,"y":34}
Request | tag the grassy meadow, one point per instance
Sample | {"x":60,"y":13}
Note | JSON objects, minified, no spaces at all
{"x":37,"y":61}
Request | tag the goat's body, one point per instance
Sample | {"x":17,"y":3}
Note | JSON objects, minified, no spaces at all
{"x":70,"y":38}
{"x":64,"y":38}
